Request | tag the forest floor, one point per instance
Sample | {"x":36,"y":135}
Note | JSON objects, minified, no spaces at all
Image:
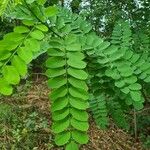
{"x":33,"y":97}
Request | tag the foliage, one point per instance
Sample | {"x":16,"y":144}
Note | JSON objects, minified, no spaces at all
{"x":114,"y":69}
{"x":146,"y":141}
{"x":121,"y":67}
{"x":143,"y":120}
{"x":30,"y":36}
{"x":67,"y":79}
{"x":23,"y":128}
{"x":69,"y":94}
{"x":104,"y":14}
{"x":7,"y":5}
{"x":5,"y":110}
{"x":23,"y":45}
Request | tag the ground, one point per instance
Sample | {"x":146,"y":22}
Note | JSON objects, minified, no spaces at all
{"x":34,"y":97}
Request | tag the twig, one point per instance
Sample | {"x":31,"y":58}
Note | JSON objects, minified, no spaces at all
{"x":135,"y":124}
{"x":45,"y":23}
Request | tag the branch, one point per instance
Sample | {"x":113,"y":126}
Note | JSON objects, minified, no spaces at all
{"x":45,"y":23}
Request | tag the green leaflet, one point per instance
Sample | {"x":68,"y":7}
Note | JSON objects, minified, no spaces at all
{"x":60,"y":23}
{"x":76,"y":63}
{"x":127,"y":73}
{"x":60,"y":126}
{"x":30,"y":1}
{"x":125,"y":68}
{"x":50,"y":11}
{"x":59,"y":115}
{"x":20,"y":65}
{"x":110,"y":50}
{"x":71,"y":146}
{"x":145,"y":66}
{"x":147,"y":79}
{"x":128,"y":100}
{"x":79,"y":125}
{"x":135,"y":86}
{"x":139,"y":62}
{"x":78,"y":103}
{"x":136,"y":96}
{"x":73,"y":47}
{"x":56,"y":44}
{"x":55,"y":62}
{"x":120,"y":83}
{"x":41,"y":2}
{"x":57,"y":82}
{"x":80,"y":137}
{"x":4,"y":55}
{"x":78,"y":93}
{"x":75,"y":82}
{"x":57,"y":93}
{"x":55,"y":52}
{"x":103,"y":60}
{"x":125,"y":90}
{"x":62,"y":138}
{"x":66,"y":29}
{"x":134,"y":58}
{"x":32,"y":44}
{"x":137,"y":71}
{"x":85,"y":27}
{"x":28,"y":22}
{"x":70,"y":39}
{"x":75,"y":55}
{"x":25,"y":54}
{"x":59,"y":104}
{"x":103,"y":46}
{"x":138,"y":105}
{"x":11,"y":75}
{"x":12,"y":45}
{"x":114,"y":73}
{"x":128,"y":55}
{"x":79,"y":74}
{"x":90,"y":39}
{"x":103,"y":122}
{"x":131,"y":79}
{"x":42,"y":27}
{"x":142,"y":76}
{"x":37,"y":34}
{"x":17,"y":37}
{"x":117,"y":55}
{"x":97,"y":41}
{"x":5,"y":88}
{"x":80,"y":115}
{"x":55,"y":72}
{"x":21,"y":29}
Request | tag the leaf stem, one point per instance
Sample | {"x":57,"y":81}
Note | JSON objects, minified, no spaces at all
{"x":45,"y":23}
